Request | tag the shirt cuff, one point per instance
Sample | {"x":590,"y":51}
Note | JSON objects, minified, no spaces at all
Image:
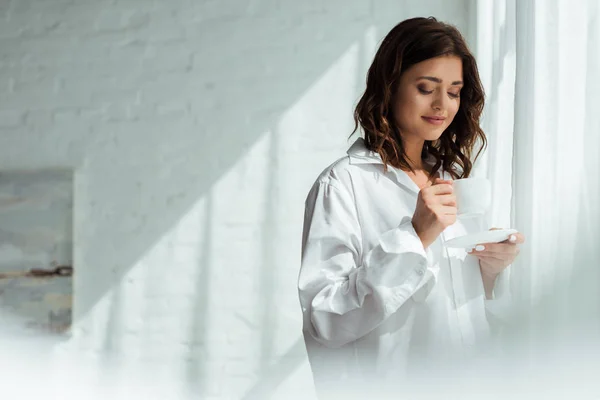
{"x":400,"y":265}
{"x":403,"y":239}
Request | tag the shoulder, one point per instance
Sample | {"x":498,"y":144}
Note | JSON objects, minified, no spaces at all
{"x":334,"y":182}
{"x":337,"y":174}
{"x":359,"y":168}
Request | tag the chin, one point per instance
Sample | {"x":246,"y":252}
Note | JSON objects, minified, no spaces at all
{"x":431,"y":136}
{"x":432,"y":133}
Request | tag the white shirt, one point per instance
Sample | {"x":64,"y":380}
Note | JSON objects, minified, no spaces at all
{"x":376,"y":304}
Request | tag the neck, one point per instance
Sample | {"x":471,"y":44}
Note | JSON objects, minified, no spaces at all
{"x":413,"y":149}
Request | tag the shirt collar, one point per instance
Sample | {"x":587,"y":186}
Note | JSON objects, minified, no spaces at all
{"x":358,"y":153}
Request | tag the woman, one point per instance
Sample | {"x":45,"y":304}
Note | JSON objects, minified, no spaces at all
{"x":381,"y":295}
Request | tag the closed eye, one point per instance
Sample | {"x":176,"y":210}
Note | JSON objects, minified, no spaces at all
{"x":452,"y":95}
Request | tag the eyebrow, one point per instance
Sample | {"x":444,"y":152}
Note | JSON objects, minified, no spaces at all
{"x":438,"y":80}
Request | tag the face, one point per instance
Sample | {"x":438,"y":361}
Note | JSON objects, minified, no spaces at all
{"x":428,"y":98}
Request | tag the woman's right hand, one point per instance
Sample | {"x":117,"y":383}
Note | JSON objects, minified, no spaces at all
{"x":436,"y":210}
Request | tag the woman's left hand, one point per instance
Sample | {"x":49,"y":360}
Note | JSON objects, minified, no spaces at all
{"x":495,"y":257}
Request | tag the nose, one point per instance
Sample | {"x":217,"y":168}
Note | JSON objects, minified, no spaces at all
{"x":439,"y":102}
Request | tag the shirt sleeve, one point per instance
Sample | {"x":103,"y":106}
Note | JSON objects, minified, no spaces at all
{"x":343,"y":297}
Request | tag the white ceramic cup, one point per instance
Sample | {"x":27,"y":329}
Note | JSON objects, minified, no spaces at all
{"x":473,"y":196}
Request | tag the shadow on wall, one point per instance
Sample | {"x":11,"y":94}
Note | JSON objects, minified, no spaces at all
{"x":187,"y":96}
{"x":242,"y":71}
{"x":245,"y":70}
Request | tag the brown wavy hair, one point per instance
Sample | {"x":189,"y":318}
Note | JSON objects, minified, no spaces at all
{"x":410,"y":42}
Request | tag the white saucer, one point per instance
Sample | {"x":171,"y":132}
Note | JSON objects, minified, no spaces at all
{"x":472,"y":240}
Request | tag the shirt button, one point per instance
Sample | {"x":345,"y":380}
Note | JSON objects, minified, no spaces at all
{"x":420,"y":272}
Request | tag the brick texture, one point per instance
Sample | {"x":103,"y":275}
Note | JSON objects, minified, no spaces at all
{"x":195,"y":129}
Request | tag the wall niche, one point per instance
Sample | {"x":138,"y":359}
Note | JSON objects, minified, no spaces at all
{"x":36,"y":249}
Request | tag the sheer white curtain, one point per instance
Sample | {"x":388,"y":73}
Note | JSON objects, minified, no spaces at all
{"x":540,"y":64}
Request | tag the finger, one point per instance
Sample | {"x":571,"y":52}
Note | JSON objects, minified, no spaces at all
{"x":448,"y":200}
{"x":516,"y":238}
{"x":491,"y":260}
{"x":490,"y":257}
{"x":504,"y":257}
{"x":442,"y":188}
{"x":448,"y":210}
{"x":496,"y":250}
{"x":499,"y":256}
{"x":439,"y":181}
{"x":500,"y":248}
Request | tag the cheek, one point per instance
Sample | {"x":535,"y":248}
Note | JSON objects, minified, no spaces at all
{"x":405,"y":110}
{"x":422,"y":103}
{"x":413,"y":101}
{"x":453,"y":109}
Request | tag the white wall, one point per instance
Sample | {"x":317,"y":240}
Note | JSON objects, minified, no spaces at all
{"x":195,"y":130}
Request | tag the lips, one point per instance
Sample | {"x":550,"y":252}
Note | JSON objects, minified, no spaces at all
{"x":434,"y":120}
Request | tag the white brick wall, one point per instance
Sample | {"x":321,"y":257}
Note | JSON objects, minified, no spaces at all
{"x":195,"y":129}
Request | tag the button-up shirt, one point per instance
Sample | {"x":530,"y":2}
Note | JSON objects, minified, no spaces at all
{"x":376,"y":304}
